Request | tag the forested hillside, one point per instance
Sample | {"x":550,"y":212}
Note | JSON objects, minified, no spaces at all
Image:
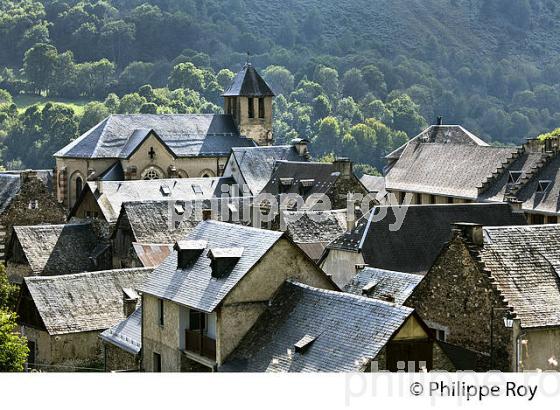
{"x":355,"y":76}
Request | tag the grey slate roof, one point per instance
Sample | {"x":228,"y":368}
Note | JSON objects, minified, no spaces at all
{"x":248,"y":83}
{"x":257,"y":163}
{"x":195,"y":287}
{"x":373,"y":183}
{"x":347,"y":328}
{"x":83,"y":302}
{"x":57,"y":249}
{"x":9,"y":187}
{"x":445,"y":169}
{"x":115,"y":193}
{"x":549,"y":201}
{"x":185,"y":135}
{"x":315,"y":226}
{"x":127,"y":334}
{"x":383,"y":284}
{"x":442,"y":134}
{"x":426,"y":228}
{"x":525,"y":264}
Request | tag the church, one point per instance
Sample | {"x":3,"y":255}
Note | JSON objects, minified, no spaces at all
{"x":154,"y":146}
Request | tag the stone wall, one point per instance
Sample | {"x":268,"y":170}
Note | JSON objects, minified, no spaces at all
{"x":117,"y":359}
{"x":457,"y":296}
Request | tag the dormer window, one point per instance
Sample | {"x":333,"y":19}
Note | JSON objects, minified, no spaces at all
{"x":514,"y":177}
{"x":543,"y":186}
{"x":223,"y":260}
{"x":369,"y":287}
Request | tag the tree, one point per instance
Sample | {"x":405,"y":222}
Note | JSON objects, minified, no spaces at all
{"x":186,"y":75}
{"x":374,"y":80}
{"x":224,"y":78}
{"x":135,"y":75}
{"x":13,"y":347}
{"x":353,"y":84}
{"x":405,"y":115}
{"x":131,"y":103}
{"x":8,"y":291}
{"x":149,"y":108}
{"x":38,"y":65}
{"x":94,"y":113}
{"x":327,"y":138}
{"x":280,"y":79}
{"x":327,"y":77}
{"x":118,"y":36}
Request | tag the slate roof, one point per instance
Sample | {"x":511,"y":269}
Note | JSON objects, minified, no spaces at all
{"x":257,"y":163}
{"x":442,"y":134}
{"x":525,"y":264}
{"x":9,"y":187}
{"x":248,"y":83}
{"x":321,"y":175}
{"x":82,"y":302}
{"x":543,"y":202}
{"x":315,"y":226}
{"x":115,"y":193}
{"x":383,"y":284}
{"x":445,"y":169}
{"x":373,"y":183}
{"x":185,"y":135}
{"x":195,"y":287}
{"x":127,"y":334}
{"x":56,"y":249}
{"x":426,"y":228}
{"x":347,"y":330}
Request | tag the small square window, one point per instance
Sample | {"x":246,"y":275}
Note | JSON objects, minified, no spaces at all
{"x":543,"y":186}
{"x":514,"y":177}
{"x":34,"y":204}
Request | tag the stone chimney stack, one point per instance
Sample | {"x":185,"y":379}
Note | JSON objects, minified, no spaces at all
{"x":130,"y":300}
{"x":439,"y":120}
{"x":471,"y":231}
{"x":344,"y":166}
{"x":301,"y":146}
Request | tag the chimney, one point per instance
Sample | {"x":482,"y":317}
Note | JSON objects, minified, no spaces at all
{"x":301,"y":146}
{"x":515,"y":204}
{"x":471,"y":231}
{"x":439,"y":120}
{"x":223,"y":260}
{"x":188,"y":252}
{"x":130,"y":300}
{"x":344,"y":166}
{"x":27,"y":175}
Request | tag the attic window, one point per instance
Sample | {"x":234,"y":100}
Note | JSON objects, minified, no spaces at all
{"x":369,"y":287}
{"x":179,"y":209}
{"x":165,"y":190}
{"x":307,"y":183}
{"x":286,"y":181}
{"x":197,"y":189}
{"x":130,"y":294}
{"x":223,"y":260}
{"x":514,"y":176}
{"x":543,"y":186}
{"x":304,"y":343}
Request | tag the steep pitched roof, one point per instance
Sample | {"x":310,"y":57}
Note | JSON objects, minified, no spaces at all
{"x":257,"y":163}
{"x":114,"y":193}
{"x":445,"y":169}
{"x":195,"y":286}
{"x":56,"y":249}
{"x":535,"y":200}
{"x":373,"y":183}
{"x":248,"y":83}
{"x":383,"y":284}
{"x":82,"y":302}
{"x":127,"y":334}
{"x":443,"y":134}
{"x":152,"y":254}
{"x":345,"y":330}
{"x":184,"y":135}
{"x":525,"y":264}
{"x":426,"y":228}
{"x":9,"y":187}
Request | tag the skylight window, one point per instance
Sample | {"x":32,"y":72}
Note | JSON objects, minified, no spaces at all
{"x":514,"y":176}
{"x":543,"y":186}
{"x":197,"y":189}
{"x":165,"y":190}
{"x":304,"y":343}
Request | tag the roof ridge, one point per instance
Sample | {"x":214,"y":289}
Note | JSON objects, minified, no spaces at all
{"x":31,"y":279}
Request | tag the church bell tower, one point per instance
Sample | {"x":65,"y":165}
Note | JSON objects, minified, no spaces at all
{"x":249,"y":100}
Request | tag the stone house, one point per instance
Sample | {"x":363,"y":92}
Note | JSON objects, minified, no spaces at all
{"x":251,"y":167}
{"x":151,"y":146}
{"x":146,"y":231}
{"x":433,"y":170}
{"x":46,"y":250}
{"x":496,"y":290}
{"x":380,"y":242}
{"x":305,"y":329}
{"x":26,"y":198}
{"x":199,"y":303}
{"x":122,"y":344}
{"x":62,"y":316}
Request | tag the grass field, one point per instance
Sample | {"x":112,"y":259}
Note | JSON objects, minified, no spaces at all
{"x":24,"y":101}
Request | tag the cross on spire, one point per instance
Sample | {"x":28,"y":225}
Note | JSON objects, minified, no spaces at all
{"x":152,"y":153}
{"x":248,"y":58}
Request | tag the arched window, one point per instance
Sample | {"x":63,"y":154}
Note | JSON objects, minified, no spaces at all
{"x":152,"y":173}
{"x":79,"y":187}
